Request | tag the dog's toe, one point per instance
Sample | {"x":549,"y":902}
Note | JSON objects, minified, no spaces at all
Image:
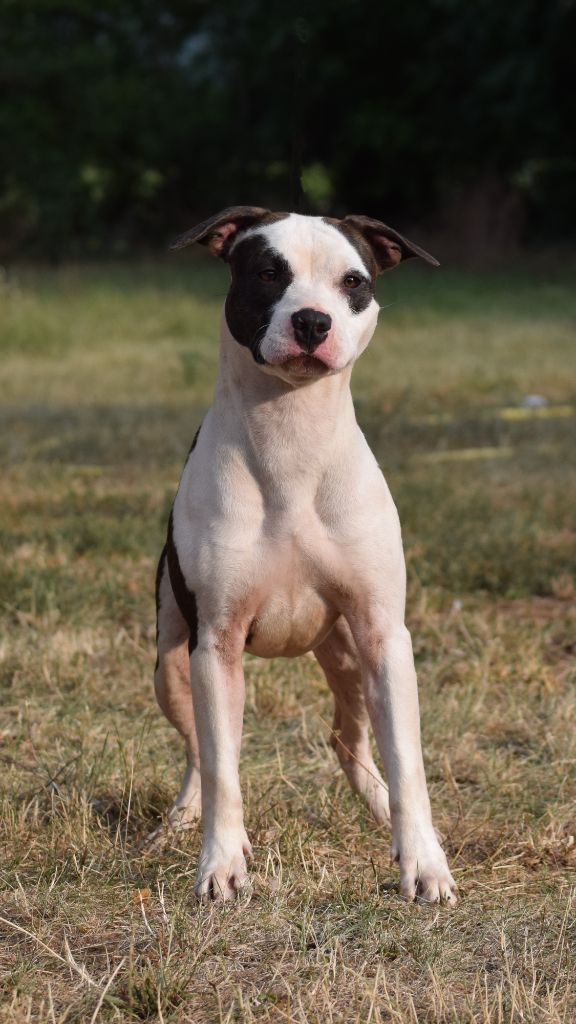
{"x":222,"y":873}
{"x":424,"y":873}
{"x":221,"y":884}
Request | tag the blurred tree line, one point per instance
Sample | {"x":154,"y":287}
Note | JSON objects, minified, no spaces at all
{"x":123,"y":120}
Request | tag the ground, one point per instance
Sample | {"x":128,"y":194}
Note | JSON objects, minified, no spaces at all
{"x":105,"y":375}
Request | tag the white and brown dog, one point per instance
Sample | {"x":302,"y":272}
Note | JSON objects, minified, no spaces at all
{"x":284,"y":538}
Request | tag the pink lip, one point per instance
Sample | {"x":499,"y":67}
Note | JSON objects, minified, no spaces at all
{"x":305,"y":364}
{"x":293,"y":355}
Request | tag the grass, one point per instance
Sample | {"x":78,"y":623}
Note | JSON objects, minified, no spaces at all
{"x":105,"y":374}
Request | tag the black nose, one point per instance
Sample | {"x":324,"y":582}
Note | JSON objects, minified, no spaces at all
{"x":310,"y":328}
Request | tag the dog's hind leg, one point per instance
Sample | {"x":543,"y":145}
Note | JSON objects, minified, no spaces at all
{"x":339,"y":659}
{"x":174,"y":693}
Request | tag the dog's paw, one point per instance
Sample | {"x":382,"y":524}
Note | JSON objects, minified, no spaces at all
{"x":222,"y":871}
{"x":424,"y":872}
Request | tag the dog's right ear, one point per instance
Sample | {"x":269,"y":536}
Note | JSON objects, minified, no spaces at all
{"x":389,"y":246}
{"x":216,"y":231}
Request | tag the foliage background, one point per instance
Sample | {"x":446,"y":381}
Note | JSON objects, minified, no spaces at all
{"x":122,"y":119}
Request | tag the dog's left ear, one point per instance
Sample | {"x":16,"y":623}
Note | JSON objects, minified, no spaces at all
{"x":389,"y":247}
{"x":216,"y":231}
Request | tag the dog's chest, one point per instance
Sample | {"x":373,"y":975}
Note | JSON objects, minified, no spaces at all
{"x":288,"y":623}
{"x":291,"y":601}
{"x":271,"y":554}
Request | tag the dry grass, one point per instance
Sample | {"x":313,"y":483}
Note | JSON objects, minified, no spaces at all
{"x":97,"y":416}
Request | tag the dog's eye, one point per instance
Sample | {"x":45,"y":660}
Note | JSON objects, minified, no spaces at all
{"x":267,"y":275}
{"x":352,"y":281}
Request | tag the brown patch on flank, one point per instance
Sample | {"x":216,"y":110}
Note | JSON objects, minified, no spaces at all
{"x":193,"y":445}
{"x":185,"y":599}
{"x":159,"y":574}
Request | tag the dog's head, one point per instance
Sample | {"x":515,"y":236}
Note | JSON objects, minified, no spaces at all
{"x":301,"y":298}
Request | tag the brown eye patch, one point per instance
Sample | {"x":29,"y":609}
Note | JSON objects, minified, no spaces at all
{"x":358,"y":290}
{"x":260,"y":276}
{"x":359,"y":295}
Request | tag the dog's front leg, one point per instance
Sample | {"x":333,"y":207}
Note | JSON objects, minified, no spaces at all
{"x":391,"y":693}
{"x":218,"y":695}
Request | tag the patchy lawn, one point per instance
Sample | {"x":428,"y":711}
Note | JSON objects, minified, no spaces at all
{"x":105,"y":375}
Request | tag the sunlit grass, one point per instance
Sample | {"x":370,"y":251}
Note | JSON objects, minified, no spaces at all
{"x":106,"y":373}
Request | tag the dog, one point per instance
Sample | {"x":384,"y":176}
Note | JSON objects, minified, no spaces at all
{"x":284,"y":539}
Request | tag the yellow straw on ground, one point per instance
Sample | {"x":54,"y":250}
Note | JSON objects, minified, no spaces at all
{"x":465,"y":454}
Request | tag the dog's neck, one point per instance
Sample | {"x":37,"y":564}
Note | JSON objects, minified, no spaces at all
{"x":288,"y":432}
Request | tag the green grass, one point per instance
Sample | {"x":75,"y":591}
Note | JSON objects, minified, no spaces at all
{"x":105,"y":376}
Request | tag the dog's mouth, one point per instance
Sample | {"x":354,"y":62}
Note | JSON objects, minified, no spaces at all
{"x":305,"y":365}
